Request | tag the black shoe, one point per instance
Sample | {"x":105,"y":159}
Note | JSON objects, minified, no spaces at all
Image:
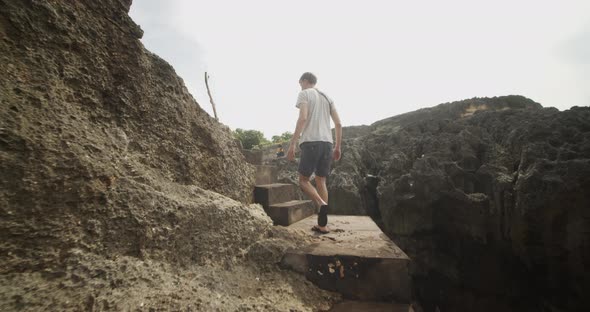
{"x":323,"y":216}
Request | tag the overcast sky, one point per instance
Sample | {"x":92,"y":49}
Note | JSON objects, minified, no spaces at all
{"x":376,"y":59}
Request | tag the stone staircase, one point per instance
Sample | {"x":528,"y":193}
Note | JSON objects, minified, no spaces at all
{"x":278,"y":201}
{"x":356,"y":259}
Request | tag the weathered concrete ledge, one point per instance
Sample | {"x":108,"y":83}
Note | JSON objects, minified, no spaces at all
{"x":356,"y":259}
{"x":357,"y":306}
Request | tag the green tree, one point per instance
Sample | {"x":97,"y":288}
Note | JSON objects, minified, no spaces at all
{"x":285,"y":137}
{"x":250,"y":138}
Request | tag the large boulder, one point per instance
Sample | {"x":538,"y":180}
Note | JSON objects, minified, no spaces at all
{"x":113,"y":177}
{"x":489,"y":198}
{"x":95,"y":127}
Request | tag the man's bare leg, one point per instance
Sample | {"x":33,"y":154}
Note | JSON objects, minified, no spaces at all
{"x":320,"y":184}
{"x":310,"y":191}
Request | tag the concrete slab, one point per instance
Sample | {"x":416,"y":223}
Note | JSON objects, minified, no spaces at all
{"x":351,"y":236}
{"x":290,"y":212}
{"x":270,"y":194}
{"x":358,"y":306}
{"x":356,"y":259}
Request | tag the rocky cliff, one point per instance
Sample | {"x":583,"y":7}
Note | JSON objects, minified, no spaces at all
{"x":489,"y":196}
{"x":117,"y":191}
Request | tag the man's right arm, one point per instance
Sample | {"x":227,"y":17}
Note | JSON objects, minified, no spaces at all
{"x":338,"y":128}
{"x":298,"y":129}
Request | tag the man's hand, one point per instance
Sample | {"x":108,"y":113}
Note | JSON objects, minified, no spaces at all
{"x":336,"y":153}
{"x":291,"y":153}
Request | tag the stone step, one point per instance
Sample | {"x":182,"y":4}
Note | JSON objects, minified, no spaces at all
{"x":266,"y":174}
{"x":290,"y":212}
{"x":365,"y":306}
{"x":253,"y":157}
{"x":270,"y":194}
{"x":355,"y":259}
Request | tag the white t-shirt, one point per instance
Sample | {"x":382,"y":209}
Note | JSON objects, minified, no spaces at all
{"x":317,"y":127}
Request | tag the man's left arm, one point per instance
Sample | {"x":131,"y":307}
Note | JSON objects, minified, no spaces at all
{"x":338,"y":129}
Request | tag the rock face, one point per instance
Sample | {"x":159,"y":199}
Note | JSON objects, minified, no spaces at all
{"x":96,"y":128}
{"x":80,"y":71}
{"x":104,"y":155}
{"x":488,"y":196}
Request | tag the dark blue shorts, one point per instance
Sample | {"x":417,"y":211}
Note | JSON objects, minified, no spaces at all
{"x":315,"y":157}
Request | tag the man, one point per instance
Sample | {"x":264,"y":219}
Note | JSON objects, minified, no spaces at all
{"x":280,"y":151}
{"x":313,"y":125}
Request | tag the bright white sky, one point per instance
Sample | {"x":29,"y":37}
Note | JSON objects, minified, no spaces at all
{"x":376,"y":59}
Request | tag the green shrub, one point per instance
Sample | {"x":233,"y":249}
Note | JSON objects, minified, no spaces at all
{"x":250,"y":138}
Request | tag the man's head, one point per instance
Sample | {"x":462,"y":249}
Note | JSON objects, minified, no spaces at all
{"x":307,"y":80}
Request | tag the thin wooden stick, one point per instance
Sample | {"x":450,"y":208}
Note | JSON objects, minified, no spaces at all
{"x":210,"y":97}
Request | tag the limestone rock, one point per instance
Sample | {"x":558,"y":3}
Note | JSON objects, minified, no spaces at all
{"x":482,"y":194}
{"x":117,"y":191}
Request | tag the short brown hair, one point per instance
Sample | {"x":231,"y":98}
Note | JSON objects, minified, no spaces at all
{"x":311,"y":78}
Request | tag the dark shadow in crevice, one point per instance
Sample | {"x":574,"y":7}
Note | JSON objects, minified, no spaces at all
{"x":371,"y":199}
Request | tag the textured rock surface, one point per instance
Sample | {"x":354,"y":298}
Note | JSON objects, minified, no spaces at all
{"x":100,"y":139}
{"x":105,"y":156}
{"x":79,"y":71}
{"x":488,"y":196}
